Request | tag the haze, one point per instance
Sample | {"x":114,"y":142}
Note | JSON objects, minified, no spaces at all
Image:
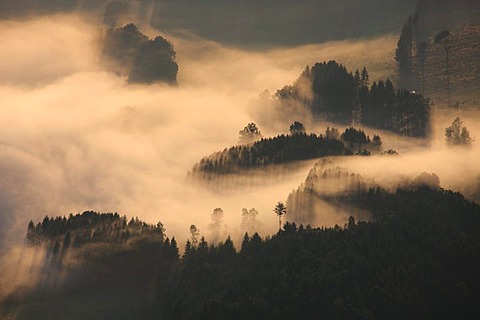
{"x":76,"y":137}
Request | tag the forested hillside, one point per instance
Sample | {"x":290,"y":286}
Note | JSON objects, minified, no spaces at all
{"x":282,"y":148}
{"x":417,"y":258}
{"x":331,"y":92}
{"x":298,"y":145}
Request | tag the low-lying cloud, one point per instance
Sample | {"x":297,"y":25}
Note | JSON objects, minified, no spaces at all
{"x":75,"y":137}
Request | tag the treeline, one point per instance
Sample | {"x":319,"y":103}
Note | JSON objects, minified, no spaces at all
{"x":142,"y":59}
{"x":331,"y":185}
{"x":333,"y":93}
{"x":61,"y":233}
{"x":418,"y":259}
{"x":285,"y":148}
{"x":282,"y":148}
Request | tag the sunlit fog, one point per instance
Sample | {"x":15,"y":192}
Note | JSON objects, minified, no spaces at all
{"x":78,"y":132}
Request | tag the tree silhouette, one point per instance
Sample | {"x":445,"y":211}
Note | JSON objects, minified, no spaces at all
{"x":249,"y":134}
{"x":216,"y":225}
{"x":249,"y":220}
{"x":457,"y":134}
{"x":297,"y":128}
{"x":194,"y":232}
{"x":280,"y":210}
{"x":142,"y":59}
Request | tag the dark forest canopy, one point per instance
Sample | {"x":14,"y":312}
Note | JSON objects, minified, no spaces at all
{"x":282,"y":148}
{"x":287,"y":148}
{"x":335,"y":94}
{"x":142,"y":59}
{"x":61,"y":233}
{"x":418,"y":258}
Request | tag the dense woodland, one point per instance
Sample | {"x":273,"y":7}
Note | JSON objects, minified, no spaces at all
{"x":298,"y":145}
{"x":418,"y":258}
{"x":279,"y":149}
{"x":58,"y":234}
{"x":342,"y":96}
{"x":142,"y":59}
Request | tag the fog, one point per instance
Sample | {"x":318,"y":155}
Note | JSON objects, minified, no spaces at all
{"x":75,"y":137}
{"x":456,"y":166}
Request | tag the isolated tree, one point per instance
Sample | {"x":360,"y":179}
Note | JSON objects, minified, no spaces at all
{"x":280,"y":210}
{"x":249,"y":221}
{"x":377,"y":141}
{"x":297,"y":128}
{"x":249,"y":134}
{"x":457,"y":134}
{"x":216,"y":225}
{"x":194,"y":232}
{"x":443,"y":38}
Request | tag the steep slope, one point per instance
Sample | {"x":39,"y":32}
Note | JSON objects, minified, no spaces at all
{"x":445,"y":67}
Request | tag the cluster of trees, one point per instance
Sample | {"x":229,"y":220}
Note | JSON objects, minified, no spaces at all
{"x":282,"y":148}
{"x":419,"y":258}
{"x":339,"y":95}
{"x":142,"y":59}
{"x":357,"y":140}
{"x":457,"y":134}
{"x":297,"y":146}
{"x":59,"y":234}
